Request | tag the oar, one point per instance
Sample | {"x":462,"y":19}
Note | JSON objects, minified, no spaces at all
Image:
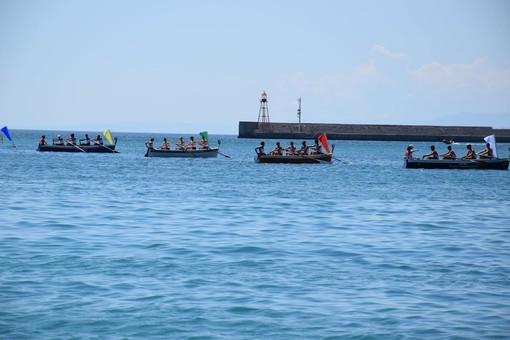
{"x":226,"y":156}
{"x":104,"y":146}
{"x":184,"y":149}
{"x":345,"y":162}
{"x":2,"y":140}
{"x":340,"y":160}
{"x":315,"y":159}
{"x":76,"y":146}
{"x":191,"y":153}
{"x":180,"y":146}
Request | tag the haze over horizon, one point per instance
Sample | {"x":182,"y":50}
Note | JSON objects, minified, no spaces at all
{"x":167,"y":66}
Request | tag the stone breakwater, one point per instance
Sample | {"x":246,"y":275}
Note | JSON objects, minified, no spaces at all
{"x":425,"y":133}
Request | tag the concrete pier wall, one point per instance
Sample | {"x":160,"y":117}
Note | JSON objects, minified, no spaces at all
{"x":426,"y":133}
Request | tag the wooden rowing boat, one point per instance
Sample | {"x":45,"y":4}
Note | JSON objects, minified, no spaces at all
{"x":489,"y":164}
{"x":93,"y":148}
{"x":296,"y":159}
{"x":197,"y":153}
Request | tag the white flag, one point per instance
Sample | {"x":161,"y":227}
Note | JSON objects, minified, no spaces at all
{"x":492,"y":141}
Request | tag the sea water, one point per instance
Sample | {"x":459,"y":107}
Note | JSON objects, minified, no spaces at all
{"x":119,"y":246}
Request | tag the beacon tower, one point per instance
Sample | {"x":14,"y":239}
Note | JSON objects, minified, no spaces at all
{"x":263,"y":123}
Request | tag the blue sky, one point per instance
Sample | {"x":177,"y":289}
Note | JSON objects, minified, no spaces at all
{"x":189,"y":66}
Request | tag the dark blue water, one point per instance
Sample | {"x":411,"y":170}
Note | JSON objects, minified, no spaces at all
{"x":104,"y":246}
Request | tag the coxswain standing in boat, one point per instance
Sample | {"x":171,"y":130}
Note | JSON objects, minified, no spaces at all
{"x":149,"y":144}
{"x":450,"y":154}
{"x":85,"y":141}
{"x":278,"y":150}
{"x":204,"y":145}
{"x":471,"y":154}
{"x":43,"y":140}
{"x":98,"y":140}
{"x":487,"y":153}
{"x":291,"y":149}
{"x":180,"y":143}
{"x":165,"y":145}
{"x":304,"y":149}
{"x":192,"y":144}
{"x":260,"y":149}
{"x":58,"y":141}
{"x":71,"y":140}
{"x":409,"y":152}
{"x":317,"y":148}
{"x":433,"y":153}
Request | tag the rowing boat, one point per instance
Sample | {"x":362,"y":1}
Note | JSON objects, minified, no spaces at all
{"x":489,"y":163}
{"x":197,"y":153}
{"x":95,"y":148}
{"x":294,"y":159}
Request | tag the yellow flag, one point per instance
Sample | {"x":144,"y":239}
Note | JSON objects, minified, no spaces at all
{"x":108,"y":136}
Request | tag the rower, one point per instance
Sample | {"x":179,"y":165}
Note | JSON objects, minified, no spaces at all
{"x":487,"y":153}
{"x":278,"y":150}
{"x":180,"y":143}
{"x":58,"y":141}
{"x":304,"y":149}
{"x":71,"y":140}
{"x":98,"y":140}
{"x":165,"y":145}
{"x":450,"y":154}
{"x":43,"y":140}
{"x":85,"y":141}
{"x":291,"y":149}
{"x":317,"y":147}
{"x":203,"y":143}
{"x":192,"y":144}
{"x":471,"y":154}
{"x":433,"y":153}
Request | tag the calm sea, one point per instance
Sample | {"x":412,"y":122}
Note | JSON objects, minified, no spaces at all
{"x":119,"y":246}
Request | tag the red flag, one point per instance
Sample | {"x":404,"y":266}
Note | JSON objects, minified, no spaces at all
{"x":324,"y":141}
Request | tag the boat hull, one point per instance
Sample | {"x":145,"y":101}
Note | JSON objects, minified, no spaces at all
{"x":107,"y":148}
{"x":301,"y":159}
{"x":199,"y":153}
{"x":486,"y":164}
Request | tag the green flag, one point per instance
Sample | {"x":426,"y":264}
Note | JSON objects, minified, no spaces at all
{"x":204,"y":135}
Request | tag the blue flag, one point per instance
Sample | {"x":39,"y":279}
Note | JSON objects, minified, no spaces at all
{"x":6,"y":133}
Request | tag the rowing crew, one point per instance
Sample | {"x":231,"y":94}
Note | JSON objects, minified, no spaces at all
{"x":181,"y":144}
{"x":450,"y":154}
{"x":71,"y":140}
{"x":291,"y":150}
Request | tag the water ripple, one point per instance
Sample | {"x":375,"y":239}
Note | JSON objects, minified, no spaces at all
{"x":120,"y":246}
